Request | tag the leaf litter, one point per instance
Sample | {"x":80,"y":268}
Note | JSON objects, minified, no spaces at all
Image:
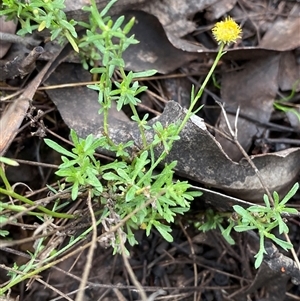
{"x":262,"y":68}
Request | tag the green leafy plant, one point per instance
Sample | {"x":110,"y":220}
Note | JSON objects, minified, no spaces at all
{"x":128,"y":185}
{"x":138,"y":187}
{"x":130,"y":182}
{"x":100,"y":30}
{"x":213,"y":220}
{"x":266,"y":219}
{"x":41,"y":14}
{"x":263,"y":219}
{"x":80,"y":167}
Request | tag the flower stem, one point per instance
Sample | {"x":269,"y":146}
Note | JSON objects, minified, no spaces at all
{"x":200,"y":92}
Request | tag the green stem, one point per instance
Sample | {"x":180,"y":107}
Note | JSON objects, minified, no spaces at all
{"x":105,"y":118}
{"x":18,"y":208}
{"x":189,"y":112}
{"x":153,"y":166}
{"x":29,"y":202}
{"x":200,"y":92}
{"x":4,"y":178}
{"x":142,"y":131}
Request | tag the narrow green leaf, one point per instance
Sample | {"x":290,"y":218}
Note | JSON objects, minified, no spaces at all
{"x":93,"y":180}
{"x":3,"y":233}
{"x":283,"y":244}
{"x":163,"y":230}
{"x":69,"y":27}
{"x":130,"y":194}
{"x":166,"y":200}
{"x":180,"y":210}
{"x":59,"y":148}
{"x":146,"y":73}
{"x":88,"y":142}
{"x":259,"y":258}
{"x":124,"y":175}
{"x":226,"y":234}
{"x":195,"y":193}
{"x":74,"y":137}
{"x":9,"y":161}
{"x":240,"y":210}
{"x":107,"y":7}
{"x":290,"y":210}
{"x":266,"y":200}
{"x":75,"y":189}
{"x":129,"y":25}
{"x":244,"y":214}
{"x":118,"y":23}
{"x":259,"y":209}
{"x":67,"y":163}
{"x":140,"y":163}
{"x":242,"y":228}
{"x":110,"y":176}
{"x":290,"y":194}
{"x":72,"y":41}
{"x":55,"y":33}
{"x":276,"y":198}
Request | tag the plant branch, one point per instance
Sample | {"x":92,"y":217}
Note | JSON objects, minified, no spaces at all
{"x":234,"y":134}
{"x":90,"y":254}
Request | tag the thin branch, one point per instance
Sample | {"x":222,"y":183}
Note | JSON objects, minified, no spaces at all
{"x":129,"y":269}
{"x":88,"y":265}
{"x":193,"y":256}
{"x":292,"y":250}
{"x":27,"y":41}
{"x":235,"y":139}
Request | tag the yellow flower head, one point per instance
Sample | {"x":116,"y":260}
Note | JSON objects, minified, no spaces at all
{"x":227,"y":31}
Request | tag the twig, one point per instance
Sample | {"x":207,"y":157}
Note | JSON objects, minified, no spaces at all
{"x":28,"y":63}
{"x":293,"y":251}
{"x":27,"y":41}
{"x":88,"y":265}
{"x":270,"y":125}
{"x":234,"y":135}
{"x":193,"y":256}
{"x":129,"y":269}
{"x":156,"y":294}
{"x":54,"y":289}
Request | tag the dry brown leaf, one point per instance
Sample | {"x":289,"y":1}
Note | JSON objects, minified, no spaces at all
{"x":154,"y":50}
{"x":219,"y":9}
{"x":289,"y":75}
{"x":284,"y":34}
{"x":253,"y":90}
{"x":175,"y":15}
